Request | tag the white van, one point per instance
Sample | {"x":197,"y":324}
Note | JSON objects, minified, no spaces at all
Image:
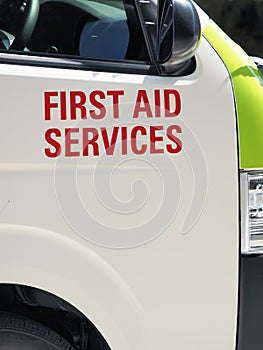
{"x":131,"y":156}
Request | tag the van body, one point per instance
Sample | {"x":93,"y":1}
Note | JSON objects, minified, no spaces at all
{"x":131,"y":177}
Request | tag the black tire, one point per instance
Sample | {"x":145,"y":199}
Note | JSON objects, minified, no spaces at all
{"x":21,"y":333}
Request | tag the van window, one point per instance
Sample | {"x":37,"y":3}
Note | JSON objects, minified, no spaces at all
{"x":103,"y":30}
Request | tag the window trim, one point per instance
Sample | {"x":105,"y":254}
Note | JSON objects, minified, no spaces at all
{"x":34,"y":58}
{"x":130,"y":67}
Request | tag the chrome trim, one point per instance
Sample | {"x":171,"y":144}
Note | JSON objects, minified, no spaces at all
{"x":254,"y":170}
{"x":244,"y":212}
{"x":251,"y":242}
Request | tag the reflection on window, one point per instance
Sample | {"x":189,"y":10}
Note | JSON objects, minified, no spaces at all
{"x":104,"y":29}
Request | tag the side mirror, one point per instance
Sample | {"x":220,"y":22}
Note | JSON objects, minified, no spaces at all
{"x":179,"y":33}
{"x":173,"y":31}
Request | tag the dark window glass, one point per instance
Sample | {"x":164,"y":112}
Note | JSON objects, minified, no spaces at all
{"x":101,"y":29}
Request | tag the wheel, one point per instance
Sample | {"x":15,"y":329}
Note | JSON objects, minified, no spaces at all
{"x":20,"y":333}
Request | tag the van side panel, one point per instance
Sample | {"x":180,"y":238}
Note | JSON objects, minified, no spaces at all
{"x":152,"y":216}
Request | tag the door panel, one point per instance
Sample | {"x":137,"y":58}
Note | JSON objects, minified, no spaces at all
{"x":142,"y":170}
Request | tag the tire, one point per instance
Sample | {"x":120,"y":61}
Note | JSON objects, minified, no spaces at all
{"x":21,"y":333}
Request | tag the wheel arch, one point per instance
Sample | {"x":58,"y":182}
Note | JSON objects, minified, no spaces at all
{"x":59,"y":265}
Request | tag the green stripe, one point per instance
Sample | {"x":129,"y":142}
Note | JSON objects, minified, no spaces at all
{"x":248,"y":88}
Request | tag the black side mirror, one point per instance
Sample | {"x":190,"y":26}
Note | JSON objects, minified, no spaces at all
{"x":172,"y":29}
{"x":179,"y":33}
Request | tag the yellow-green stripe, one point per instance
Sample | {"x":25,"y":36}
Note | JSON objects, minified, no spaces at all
{"x":248,"y":89}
